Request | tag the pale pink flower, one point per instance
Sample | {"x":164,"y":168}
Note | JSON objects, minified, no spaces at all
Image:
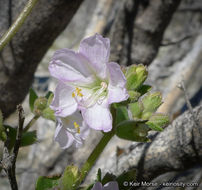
{"x":88,"y":82}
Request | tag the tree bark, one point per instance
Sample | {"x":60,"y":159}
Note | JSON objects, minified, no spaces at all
{"x":138,"y":30}
{"x":19,"y":59}
{"x":177,"y":148}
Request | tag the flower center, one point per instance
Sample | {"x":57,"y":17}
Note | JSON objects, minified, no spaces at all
{"x":93,"y":95}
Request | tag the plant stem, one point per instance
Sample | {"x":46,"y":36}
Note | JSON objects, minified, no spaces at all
{"x":32,"y":121}
{"x":17,"y":24}
{"x":95,"y":154}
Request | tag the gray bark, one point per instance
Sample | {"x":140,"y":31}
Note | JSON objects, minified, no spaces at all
{"x":138,"y":30}
{"x":178,"y":148}
{"x":19,"y":59}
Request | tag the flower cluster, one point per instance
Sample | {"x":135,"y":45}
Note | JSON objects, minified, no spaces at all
{"x":88,"y":84}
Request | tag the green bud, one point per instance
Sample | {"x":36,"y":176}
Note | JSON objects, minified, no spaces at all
{"x":134,"y":95}
{"x":135,"y":75}
{"x":136,"y":109}
{"x":157,"y":121}
{"x":152,"y":101}
{"x":70,"y":178}
{"x":146,"y":115}
{"x":39,"y":105}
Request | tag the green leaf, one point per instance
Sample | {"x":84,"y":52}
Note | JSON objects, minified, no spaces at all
{"x":99,"y":175}
{"x":121,"y":114}
{"x":47,"y":183}
{"x":32,"y":97}
{"x":108,"y":177}
{"x":28,"y":138}
{"x":70,"y":178}
{"x":158,"y":120}
{"x":129,"y":176}
{"x":136,"y":109}
{"x":133,"y":130}
{"x":152,"y":101}
{"x":48,"y":113}
{"x":11,"y":133}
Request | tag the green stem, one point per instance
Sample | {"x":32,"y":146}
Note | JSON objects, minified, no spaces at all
{"x":95,"y":154}
{"x":17,"y":24}
{"x":32,"y":121}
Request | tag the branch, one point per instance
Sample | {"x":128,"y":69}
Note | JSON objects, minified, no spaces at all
{"x":19,"y":59}
{"x":144,"y":26}
{"x":176,"y":148}
{"x":17,"y":24}
{"x":9,"y":160}
{"x":177,"y":41}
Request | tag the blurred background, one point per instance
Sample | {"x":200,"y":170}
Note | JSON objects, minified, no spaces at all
{"x":164,"y":35}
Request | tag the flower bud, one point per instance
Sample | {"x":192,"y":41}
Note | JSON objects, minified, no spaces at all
{"x":39,"y":105}
{"x":135,"y":75}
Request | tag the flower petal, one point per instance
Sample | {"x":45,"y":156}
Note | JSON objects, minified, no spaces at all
{"x":63,"y":137}
{"x":69,"y":66}
{"x":97,"y":50}
{"x":97,"y":186}
{"x":117,"y":81}
{"x":111,"y":185}
{"x":63,"y":103}
{"x":98,"y":117}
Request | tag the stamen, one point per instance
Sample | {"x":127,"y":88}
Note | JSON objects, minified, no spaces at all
{"x":77,"y":127}
{"x":78,"y":92}
{"x":73,"y":94}
{"x":104,"y":85}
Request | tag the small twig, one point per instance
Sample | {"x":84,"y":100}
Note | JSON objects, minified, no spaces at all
{"x":17,"y":24}
{"x":183,"y":88}
{"x":177,"y":41}
{"x":190,"y":9}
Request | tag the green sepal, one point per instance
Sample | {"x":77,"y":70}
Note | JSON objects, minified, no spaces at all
{"x":129,"y":176}
{"x":158,"y":120}
{"x":152,"y":101}
{"x":70,"y":178}
{"x":108,"y":177}
{"x":29,"y":138}
{"x":121,"y":114}
{"x":136,"y":109}
{"x":133,"y":130}
{"x":49,"y":97}
{"x":46,"y":183}
{"x":99,"y":175}
{"x":32,"y":97}
{"x":48,"y":113}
